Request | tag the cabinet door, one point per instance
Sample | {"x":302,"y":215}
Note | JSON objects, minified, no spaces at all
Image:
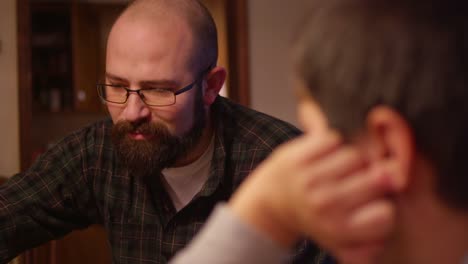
{"x":86,"y":56}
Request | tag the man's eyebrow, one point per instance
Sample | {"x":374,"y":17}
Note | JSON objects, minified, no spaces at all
{"x":164,"y":82}
{"x":161,"y":83}
{"x":114,"y":77}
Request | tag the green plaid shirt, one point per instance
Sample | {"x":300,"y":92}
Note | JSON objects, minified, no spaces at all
{"x":80,"y":182}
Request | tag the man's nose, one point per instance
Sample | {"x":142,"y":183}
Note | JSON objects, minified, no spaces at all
{"x":136,"y":110}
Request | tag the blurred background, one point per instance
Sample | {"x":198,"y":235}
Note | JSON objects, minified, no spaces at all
{"x":52,"y":54}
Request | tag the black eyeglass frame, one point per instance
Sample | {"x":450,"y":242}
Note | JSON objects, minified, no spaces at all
{"x":128,"y":90}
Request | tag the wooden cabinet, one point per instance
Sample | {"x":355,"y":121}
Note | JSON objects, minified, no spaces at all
{"x":68,"y":50}
{"x":91,"y":24}
{"x":51,"y":57}
{"x":86,"y":55}
{"x":67,"y":41}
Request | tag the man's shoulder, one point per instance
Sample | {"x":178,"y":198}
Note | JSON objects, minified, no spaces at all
{"x":100,"y":126}
{"x":92,"y":133}
{"x":254,"y":127}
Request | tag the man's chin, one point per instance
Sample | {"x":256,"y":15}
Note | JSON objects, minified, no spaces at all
{"x":140,"y":167}
{"x":142,"y":158}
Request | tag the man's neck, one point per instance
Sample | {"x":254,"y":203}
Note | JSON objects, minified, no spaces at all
{"x":200,"y":147}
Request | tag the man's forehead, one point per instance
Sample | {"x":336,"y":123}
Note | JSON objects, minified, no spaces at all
{"x":144,"y":41}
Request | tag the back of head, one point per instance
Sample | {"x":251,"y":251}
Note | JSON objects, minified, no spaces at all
{"x":409,"y":55}
{"x":196,"y":16}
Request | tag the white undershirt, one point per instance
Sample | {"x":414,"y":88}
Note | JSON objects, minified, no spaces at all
{"x":183,"y":183}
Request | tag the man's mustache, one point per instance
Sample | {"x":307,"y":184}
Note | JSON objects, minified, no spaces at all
{"x":146,"y":128}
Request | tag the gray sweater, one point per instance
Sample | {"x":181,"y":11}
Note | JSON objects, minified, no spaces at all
{"x":225,"y":239}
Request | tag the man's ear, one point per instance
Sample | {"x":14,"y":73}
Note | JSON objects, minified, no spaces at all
{"x":214,"y":82}
{"x":392,"y":144}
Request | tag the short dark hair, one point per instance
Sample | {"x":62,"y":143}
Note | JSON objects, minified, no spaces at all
{"x":407,"y":54}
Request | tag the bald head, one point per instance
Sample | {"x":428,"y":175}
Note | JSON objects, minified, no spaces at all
{"x":192,"y":13}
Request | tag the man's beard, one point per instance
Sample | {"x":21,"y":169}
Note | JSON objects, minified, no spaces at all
{"x":161,"y":149}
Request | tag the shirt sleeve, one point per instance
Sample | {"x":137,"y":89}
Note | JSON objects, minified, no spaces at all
{"x":226,"y":239}
{"x":44,"y":202}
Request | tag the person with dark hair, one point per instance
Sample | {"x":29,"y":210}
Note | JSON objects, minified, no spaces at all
{"x":380,"y":174}
{"x":171,"y":149}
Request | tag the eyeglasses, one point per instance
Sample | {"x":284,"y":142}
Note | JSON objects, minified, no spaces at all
{"x":118,"y":94}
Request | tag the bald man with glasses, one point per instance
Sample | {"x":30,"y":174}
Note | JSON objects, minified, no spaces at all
{"x":171,"y":149}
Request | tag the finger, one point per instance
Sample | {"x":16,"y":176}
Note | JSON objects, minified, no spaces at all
{"x":372,"y":222}
{"x":359,"y":188}
{"x":342,"y":162}
{"x":307,"y":148}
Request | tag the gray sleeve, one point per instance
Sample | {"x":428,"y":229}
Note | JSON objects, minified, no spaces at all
{"x":225,"y":239}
